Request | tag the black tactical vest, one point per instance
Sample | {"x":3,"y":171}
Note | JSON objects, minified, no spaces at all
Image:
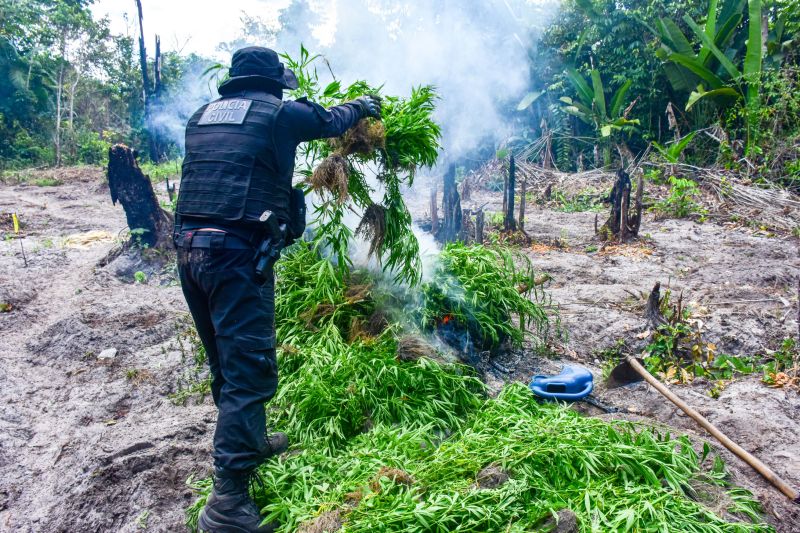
{"x":230,"y":171}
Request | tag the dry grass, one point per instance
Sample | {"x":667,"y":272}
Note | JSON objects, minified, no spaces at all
{"x":633,"y":251}
{"x":396,"y":475}
{"x":327,"y":522}
{"x":411,"y":348}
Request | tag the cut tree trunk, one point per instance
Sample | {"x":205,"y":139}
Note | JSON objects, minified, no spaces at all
{"x":621,"y":224}
{"x":466,"y":226}
{"x":509,"y":224}
{"x":466,"y":190}
{"x":652,"y":311}
{"x":522,"y":202}
{"x":451,"y":207}
{"x":479,"y":223}
{"x":434,"y":211}
{"x":150,"y":225}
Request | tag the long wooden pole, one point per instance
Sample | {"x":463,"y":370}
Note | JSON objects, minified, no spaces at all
{"x":740,"y":452}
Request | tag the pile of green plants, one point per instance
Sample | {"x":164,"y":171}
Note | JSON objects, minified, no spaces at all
{"x":385,"y":443}
{"x":481,"y":289}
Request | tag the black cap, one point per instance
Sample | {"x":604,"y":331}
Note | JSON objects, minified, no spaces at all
{"x":257,"y":66}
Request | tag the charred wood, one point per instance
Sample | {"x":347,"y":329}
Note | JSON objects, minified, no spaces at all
{"x":130,"y":187}
{"x":621,"y":224}
{"x":451,"y":208}
{"x":509,"y":224}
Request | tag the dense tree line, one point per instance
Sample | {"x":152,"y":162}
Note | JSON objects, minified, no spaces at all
{"x":70,"y":87}
{"x":741,"y":82}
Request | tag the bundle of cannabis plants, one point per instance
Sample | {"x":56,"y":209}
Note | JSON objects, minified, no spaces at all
{"x":375,"y":157}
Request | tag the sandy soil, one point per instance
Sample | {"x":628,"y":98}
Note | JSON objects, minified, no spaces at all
{"x":89,"y":443}
{"x":92,"y":443}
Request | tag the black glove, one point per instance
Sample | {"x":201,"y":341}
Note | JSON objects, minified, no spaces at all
{"x":370,"y":106}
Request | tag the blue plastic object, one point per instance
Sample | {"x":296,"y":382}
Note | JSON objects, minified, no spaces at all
{"x":573,"y":383}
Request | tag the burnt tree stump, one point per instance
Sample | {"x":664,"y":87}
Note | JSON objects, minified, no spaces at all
{"x":509,"y":224}
{"x":479,"y":223}
{"x":522,"y":201}
{"x":622,"y":224}
{"x":130,"y":187}
{"x":434,"y":211}
{"x":467,"y":229}
{"x":451,"y":208}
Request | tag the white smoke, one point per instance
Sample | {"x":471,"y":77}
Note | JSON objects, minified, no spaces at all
{"x":169,"y":116}
{"x":475,"y":53}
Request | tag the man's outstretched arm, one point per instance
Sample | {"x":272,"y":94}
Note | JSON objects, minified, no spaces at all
{"x":306,"y":121}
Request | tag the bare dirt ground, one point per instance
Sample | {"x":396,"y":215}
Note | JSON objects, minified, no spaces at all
{"x":91,"y":441}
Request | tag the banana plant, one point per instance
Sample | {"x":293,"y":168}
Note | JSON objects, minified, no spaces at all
{"x":718,"y":71}
{"x":672,"y":151}
{"x":592,"y":108}
{"x":721,"y":71}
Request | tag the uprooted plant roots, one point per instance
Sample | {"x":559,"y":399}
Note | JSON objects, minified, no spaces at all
{"x":332,"y":175}
{"x":373,"y":227}
{"x":363,"y":139}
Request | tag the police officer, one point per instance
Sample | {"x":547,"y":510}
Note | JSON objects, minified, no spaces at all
{"x":237,"y":172}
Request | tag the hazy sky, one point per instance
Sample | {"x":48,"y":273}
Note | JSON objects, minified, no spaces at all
{"x":187,"y":25}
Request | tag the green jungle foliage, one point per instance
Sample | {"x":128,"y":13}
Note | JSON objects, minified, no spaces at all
{"x":603,"y":74}
{"x":708,"y":60}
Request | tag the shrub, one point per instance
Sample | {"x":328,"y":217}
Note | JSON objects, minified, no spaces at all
{"x":681,"y":201}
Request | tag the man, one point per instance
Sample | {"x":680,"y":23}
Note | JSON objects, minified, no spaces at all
{"x":234,"y":197}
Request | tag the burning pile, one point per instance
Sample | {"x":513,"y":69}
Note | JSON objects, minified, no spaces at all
{"x":476,"y":292}
{"x":389,"y":439}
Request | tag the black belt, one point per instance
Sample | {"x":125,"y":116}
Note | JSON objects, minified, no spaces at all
{"x":211,"y":239}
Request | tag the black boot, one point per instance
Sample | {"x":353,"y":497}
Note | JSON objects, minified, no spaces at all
{"x":230,"y":509}
{"x":277,"y":443}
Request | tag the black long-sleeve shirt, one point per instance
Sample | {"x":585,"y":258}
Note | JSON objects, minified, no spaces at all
{"x":294,"y":122}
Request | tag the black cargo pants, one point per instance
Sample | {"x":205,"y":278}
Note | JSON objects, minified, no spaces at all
{"x":234,"y":314}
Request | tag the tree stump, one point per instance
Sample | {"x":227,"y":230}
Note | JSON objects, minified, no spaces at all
{"x":451,"y":208}
{"x":466,"y":189}
{"x":479,"y":223}
{"x":150,"y":225}
{"x":652,"y":311}
{"x":467,"y":229}
{"x":621,"y":224}
{"x":509,"y":224}
{"x":434,"y":211}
